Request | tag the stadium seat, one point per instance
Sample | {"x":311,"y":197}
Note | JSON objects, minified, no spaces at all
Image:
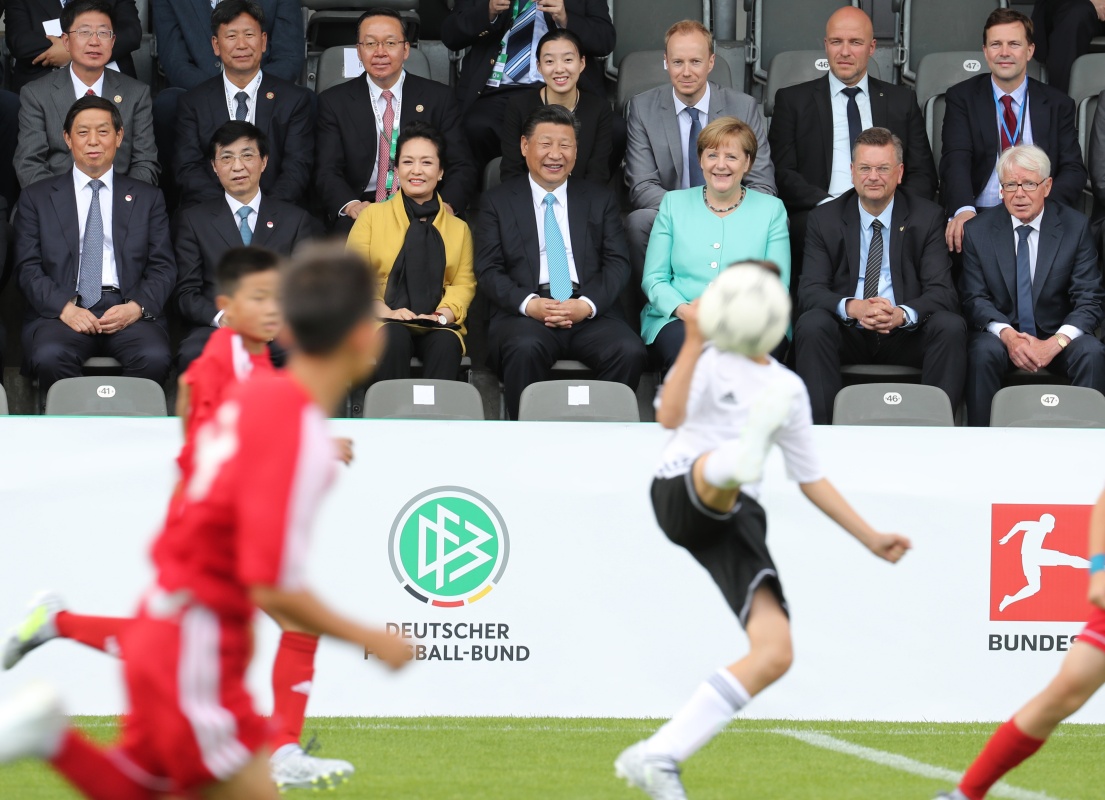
{"x":644,"y":70}
{"x":332,"y":23}
{"x":893,"y":404}
{"x":879,"y":373}
{"x":3,"y":401}
{"x":491,"y":177}
{"x":641,"y":24}
{"x":1047,"y":406}
{"x":1087,"y":81}
{"x":414,"y":398}
{"x":100,"y":396}
{"x":101,"y":365}
{"x":799,"y":66}
{"x":939,"y":26}
{"x":331,"y":67}
{"x":578,"y":401}
{"x":780,"y":26}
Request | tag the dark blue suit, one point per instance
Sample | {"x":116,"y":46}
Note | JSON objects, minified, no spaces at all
{"x":47,"y":261}
{"x":1066,"y":290}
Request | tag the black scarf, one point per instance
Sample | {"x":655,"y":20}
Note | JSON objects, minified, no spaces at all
{"x":418,"y":276}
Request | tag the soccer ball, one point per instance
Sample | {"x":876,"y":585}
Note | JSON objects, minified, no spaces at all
{"x":745,"y":310}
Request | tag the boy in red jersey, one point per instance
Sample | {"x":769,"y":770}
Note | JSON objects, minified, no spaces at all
{"x":1079,"y":678}
{"x":235,"y":538}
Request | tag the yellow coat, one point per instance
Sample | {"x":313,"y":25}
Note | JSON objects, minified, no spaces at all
{"x":378,"y":236}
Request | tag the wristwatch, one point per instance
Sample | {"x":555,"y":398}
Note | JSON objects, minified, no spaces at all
{"x":442,"y":319}
{"x":1062,"y":340}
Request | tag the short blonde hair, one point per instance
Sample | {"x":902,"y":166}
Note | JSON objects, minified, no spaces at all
{"x":725,"y":129}
{"x":688,"y":26}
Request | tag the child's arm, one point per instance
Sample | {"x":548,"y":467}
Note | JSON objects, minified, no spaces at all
{"x":889,"y":546}
{"x":1097,"y":547}
{"x":677,"y":384}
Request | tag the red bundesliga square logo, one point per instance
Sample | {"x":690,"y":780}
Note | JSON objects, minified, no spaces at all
{"x":1038,"y":572}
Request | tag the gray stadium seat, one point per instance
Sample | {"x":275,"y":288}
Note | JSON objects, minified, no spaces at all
{"x":331,"y":23}
{"x":332,"y":63}
{"x":578,"y":401}
{"x":106,"y":396}
{"x":644,"y":70}
{"x":415,"y":398}
{"x":799,"y":66}
{"x":1087,"y":81}
{"x":879,"y":373}
{"x":893,"y":404}
{"x":779,"y":26}
{"x":3,"y":401}
{"x":641,"y":24}
{"x":938,"y":26}
{"x":1047,"y":406}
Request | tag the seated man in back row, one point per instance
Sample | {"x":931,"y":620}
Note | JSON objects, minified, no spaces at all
{"x":1031,"y":286}
{"x":551,"y":257}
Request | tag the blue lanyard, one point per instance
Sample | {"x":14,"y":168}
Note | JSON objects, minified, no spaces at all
{"x":1020,"y":118}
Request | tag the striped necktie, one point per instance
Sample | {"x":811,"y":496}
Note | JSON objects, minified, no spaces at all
{"x":90,"y":281}
{"x":519,"y":43}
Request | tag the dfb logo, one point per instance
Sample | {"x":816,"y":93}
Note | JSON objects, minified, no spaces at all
{"x":1037,"y":569}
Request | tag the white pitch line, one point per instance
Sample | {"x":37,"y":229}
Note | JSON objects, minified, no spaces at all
{"x":902,"y":763}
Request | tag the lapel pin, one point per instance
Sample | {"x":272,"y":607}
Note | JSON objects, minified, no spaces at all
{"x":420,"y":108}
{"x":901,"y":229}
{"x":270,"y":96}
{"x":118,"y":98}
{"x":128,"y":198}
{"x":268,"y":224}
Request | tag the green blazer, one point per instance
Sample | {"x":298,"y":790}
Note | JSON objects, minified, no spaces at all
{"x":690,"y":244}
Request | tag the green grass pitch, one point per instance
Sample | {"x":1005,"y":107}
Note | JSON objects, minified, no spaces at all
{"x":571,"y":759}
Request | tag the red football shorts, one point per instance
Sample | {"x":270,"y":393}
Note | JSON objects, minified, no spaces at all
{"x":191,"y":719}
{"x":1094,"y":632}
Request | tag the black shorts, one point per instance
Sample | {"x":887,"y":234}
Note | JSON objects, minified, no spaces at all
{"x":732,"y":547}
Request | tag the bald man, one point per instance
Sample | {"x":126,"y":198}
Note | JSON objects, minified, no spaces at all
{"x":815,"y":123}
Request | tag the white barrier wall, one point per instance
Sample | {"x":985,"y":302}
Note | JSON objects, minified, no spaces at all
{"x":600,"y":614}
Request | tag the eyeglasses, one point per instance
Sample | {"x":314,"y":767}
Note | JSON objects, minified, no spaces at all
{"x":247,"y":158}
{"x":84,"y":34}
{"x":391,"y":45}
{"x":882,"y":169}
{"x":1028,"y":186}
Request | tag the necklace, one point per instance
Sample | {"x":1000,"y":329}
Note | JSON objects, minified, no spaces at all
{"x":545,"y":99}
{"x":723,"y":210}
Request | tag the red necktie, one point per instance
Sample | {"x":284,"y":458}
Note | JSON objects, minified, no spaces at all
{"x":1010,"y":128}
{"x":383,"y":158}
{"x":90,"y":93}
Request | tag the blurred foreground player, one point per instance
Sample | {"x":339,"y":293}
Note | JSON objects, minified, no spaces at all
{"x":727,"y":411}
{"x":235,"y":538}
{"x":1080,"y":676}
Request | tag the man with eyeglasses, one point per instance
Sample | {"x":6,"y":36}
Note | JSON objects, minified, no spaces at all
{"x":238,"y":154}
{"x":244,"y":92}
{"x":88,"y":35}
{"x":34,"y":33}
{"x":877,"y":285}
{"x":359,"y":122}
{"x":1031,"y":286}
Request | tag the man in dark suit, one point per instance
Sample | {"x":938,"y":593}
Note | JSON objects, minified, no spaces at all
{"x":244,"y":92}
{"x":238,"y":154}
{"x":1031,"y":287}
{"x":987,"y":114}
{"x":38,"y":51}
{"x":1064,"y":30}
{"x":94,"y":259}
{"x":877,"y":286}
{"x":495,"y":66}
{"x":350,"y":145}
{"x":815,"y":123}
{"x":551,"y":257}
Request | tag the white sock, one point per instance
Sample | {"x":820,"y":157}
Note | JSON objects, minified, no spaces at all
{"x":709,"y":710}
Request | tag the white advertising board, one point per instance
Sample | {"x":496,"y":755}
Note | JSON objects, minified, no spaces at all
{"x":544,"y":587}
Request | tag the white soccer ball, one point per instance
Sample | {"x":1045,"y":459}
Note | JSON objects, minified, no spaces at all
{"x":745,"y":310}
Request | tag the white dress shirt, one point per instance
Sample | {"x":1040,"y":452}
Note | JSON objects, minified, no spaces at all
{"x":840,"y":179}
{"x":886,"y":281}
{"x":80,"y":88}
{"x":1070,"y":331}
{"x":84,"y":202}
{"x":251,"y":92}
{"x":703,"y":107}
{"x":560,"y":211}
{"x":991,"y":192}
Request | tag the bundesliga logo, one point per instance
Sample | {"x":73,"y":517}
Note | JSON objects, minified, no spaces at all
{"x":448,"y":547}
{"x":1037,"y":569}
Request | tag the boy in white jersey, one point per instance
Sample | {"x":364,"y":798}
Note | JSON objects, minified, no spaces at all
{"x":727,"y":411}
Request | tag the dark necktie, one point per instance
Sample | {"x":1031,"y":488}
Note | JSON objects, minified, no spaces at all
{"x":90,"y":281}
{"x":519,"y":43}
{"x":243,"y":106}
{"x":1010,"y":127}
{"x":855,"y":127}
{"x":694,"y":169}
{"x":874,"y":262}
{"x":1026,"y":315}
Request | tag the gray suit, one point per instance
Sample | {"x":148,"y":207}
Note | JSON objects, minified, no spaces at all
{"x":42,"y":151}
{"x":654,"y":155}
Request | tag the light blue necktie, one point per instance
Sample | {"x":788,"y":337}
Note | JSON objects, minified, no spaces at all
{"x":1026,"y":315}
{"x":694,"y":169}
{"x":90,"y":281}
{"x":556,"y":254}
{"x":247,"y":234}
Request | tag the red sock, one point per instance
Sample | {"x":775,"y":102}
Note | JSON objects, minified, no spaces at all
{"x":94,"y":772}
{"x":101,"y":633}
{"x":292,"y":673}
{"x":1007,"y":748}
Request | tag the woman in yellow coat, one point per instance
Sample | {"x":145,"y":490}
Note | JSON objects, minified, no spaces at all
{"x":423,"y":257}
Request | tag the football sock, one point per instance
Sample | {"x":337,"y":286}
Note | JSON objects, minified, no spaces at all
{"x":292,"y":673}
{"x":709,"y":710}
{"x":101,"y":633}
{"x":96,"y":773}
{"x":1007,"y":748}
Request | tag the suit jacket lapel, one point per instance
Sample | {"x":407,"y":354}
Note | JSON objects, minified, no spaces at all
{"x":122,"y":206}
{"x":265,"y":105}
{"x":267,"y":222}
{"x":822,"y":101}
{"x":1051,"y":235}
{"x":899,"y":219}
{"x":1038,"y":112}
{"x":63,"y":91}
{"x":989,"y":109}
{"x":877,"y":98}
{"x":223,"y":221}
{"x":527,"y":227}
{"x":1002,"y":237}
{"x":64,"y":200}
{"x":671,"y":133}
{"x":852,"y":232}
{"x":577,"y":227}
